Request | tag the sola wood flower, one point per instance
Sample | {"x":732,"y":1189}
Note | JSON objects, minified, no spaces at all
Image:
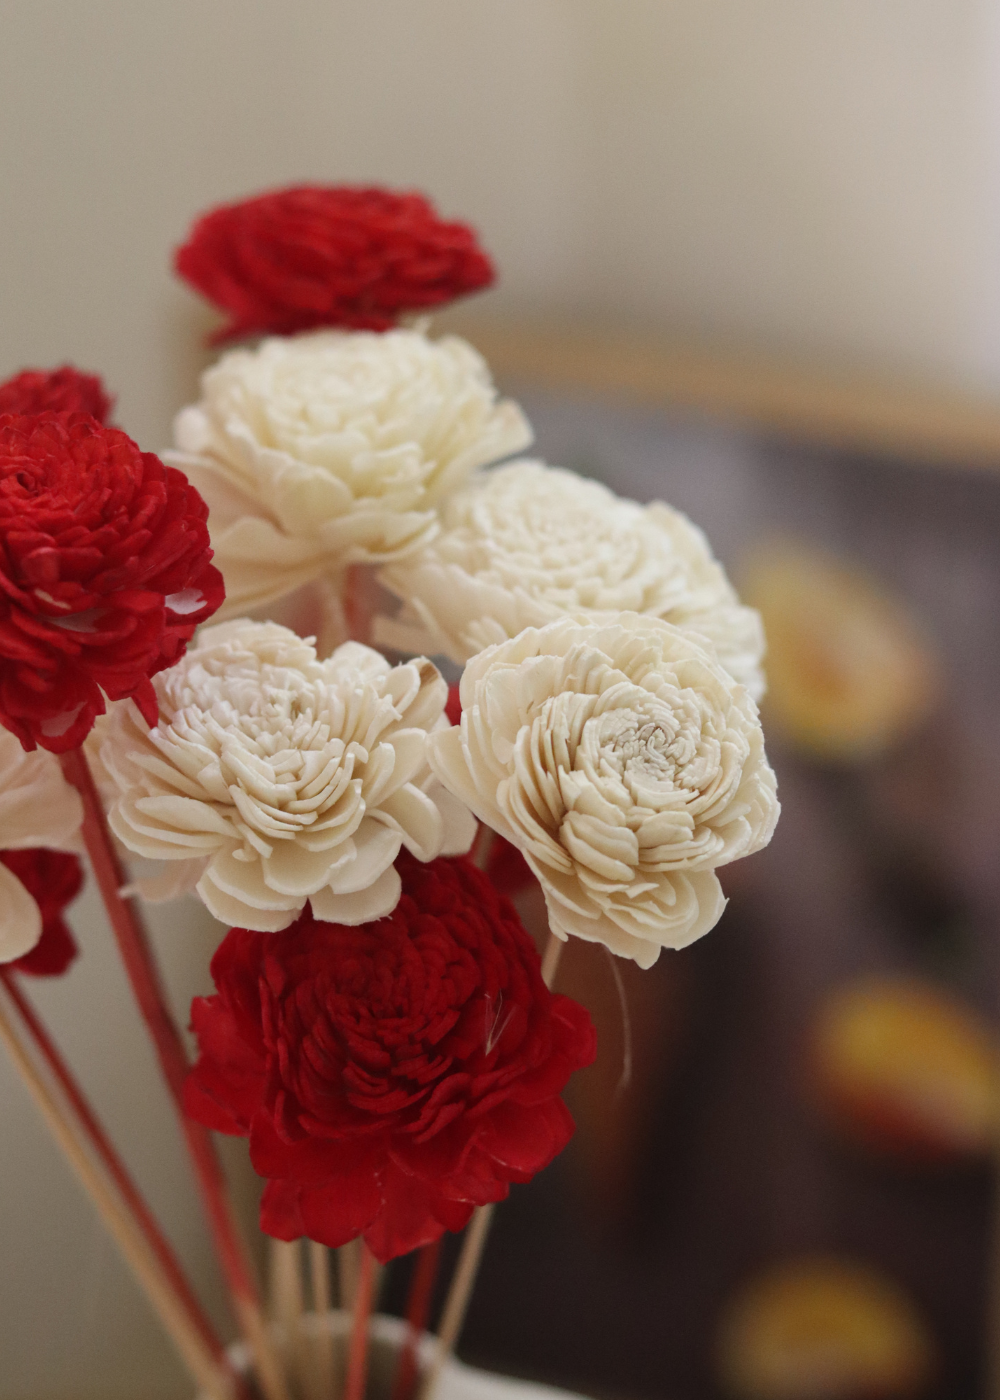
{"x":282,"y":778}
{"x":625,"y":764}
{"x":37,"y":808}
{"x":104,"y":574}
{"x":63,"y":390}
{"x":389,"y":1077}
{"x":310,"y":256}
{"x":53,"y":879}
{"x":328,"y":449}
{"x":527,"y":543}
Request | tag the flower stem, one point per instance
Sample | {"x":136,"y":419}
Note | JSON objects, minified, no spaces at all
{"x":147,"y":987}
{"x":202,"y":1357}
{"x":459,"y":1294}
{"x":457,"y":1302}
{"x":324,"y":1363}
{"x":418,"y":1306}
{"x":105,"y":1150}
{"x":357,"y":1359}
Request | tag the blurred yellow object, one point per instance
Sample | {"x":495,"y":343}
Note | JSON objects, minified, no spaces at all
{"x":847,"y":670}
{"x":820,"y":1329}
{"x":903,"y":1068}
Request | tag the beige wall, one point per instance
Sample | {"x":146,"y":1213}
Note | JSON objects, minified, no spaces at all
{"x":813,"y":175}
{"x":816,"y":175}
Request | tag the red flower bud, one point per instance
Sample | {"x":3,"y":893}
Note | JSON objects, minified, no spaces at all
{"x":311,"y":256}
{"x":63,"y":390}
{"x":392,"y":1076}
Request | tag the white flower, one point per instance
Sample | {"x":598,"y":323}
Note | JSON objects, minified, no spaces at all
{"x":282,"y":778}
{"x":527,"y":543}
{"x":318,"y":451}
{"x":625,"y":764}
{"x":38,"y":807}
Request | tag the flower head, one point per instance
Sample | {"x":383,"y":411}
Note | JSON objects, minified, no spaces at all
{"x":330,"y":449}
{"x":53,"y":879}
{"x":390,"y":1077}
{"x":104,"y":574}
{"x":526,"y":543}
{"x":310,"y":256}
{"x":283,"y":778}
{"x":624,"y":763}
{"x":38,"y":807}
{"x":63,"y":390}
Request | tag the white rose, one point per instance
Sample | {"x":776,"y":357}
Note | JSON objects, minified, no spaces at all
{"x":318,"y":451}
{"x":625,"y":764}
{"x":38,"y":807}
{"x":526,"y":543}
{"x":282,"y":778}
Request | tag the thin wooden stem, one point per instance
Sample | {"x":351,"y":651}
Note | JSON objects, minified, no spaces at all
{"x":418,"y":1307}
{"x":105,"y":1150}
{"x":550,"y":962}
{"x":200,"y":1358}
{"x":289,"y":1302}
{"x":457,"y":1301}
{"x":348,"y":1268}
{"x":147,"y":987}
{"x":357,"y":1359}
{"x":324,"y":1354}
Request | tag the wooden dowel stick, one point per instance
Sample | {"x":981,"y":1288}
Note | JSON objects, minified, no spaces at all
{"x":197,"y":1355}
{"x":550,"y":962}
{"x":457,"y":1302}
{"x":289,"y":1303}
{"x":357,"y":1360}
{"x":112,"y":1163}
{"x":323,"y":1351}
{"x":140,"y":966}
{"x":348,"y":1267}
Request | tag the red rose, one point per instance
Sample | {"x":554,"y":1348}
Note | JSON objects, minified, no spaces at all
{"x":104,"y":574}
{"x":53,"y":879}
{"x":394,"y":1075}
{"x":63,"y":390}
{"x":312,"y":256}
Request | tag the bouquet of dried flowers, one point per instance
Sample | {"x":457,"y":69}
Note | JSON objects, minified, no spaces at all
{"x":383,"y":1030}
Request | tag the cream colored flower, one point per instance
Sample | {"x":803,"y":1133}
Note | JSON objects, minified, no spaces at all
{"x":38,"y":807}
{"x":283,"y":778}
{"x":625,"y":764}
{"x":318,"y":451}
{"x":527,"y":543}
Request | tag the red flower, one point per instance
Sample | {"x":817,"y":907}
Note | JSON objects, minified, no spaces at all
{"x":63,"y":390}
{"x":507,"y":868}
{"x":453,"y":706}
{"x":311,"y":256}
{"x":53,"y":879}
{"x":104,"y":574}
{"x":394,"y":1075}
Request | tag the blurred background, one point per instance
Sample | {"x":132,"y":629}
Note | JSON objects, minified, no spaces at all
{"x":750,"y":263}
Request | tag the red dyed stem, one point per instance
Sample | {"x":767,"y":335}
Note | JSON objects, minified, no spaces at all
{"x":357,"y":1357}
{"x":418,"y":1307}
{"x":137,"y":957}
{"x":114,"y":1165}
